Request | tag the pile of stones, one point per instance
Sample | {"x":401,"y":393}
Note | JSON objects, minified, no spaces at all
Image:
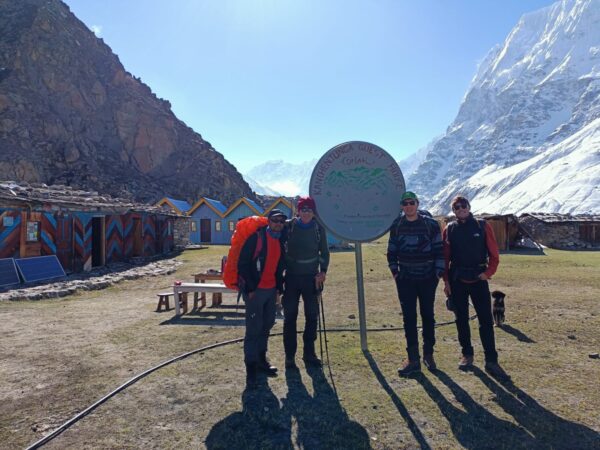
{"x":100,"y":278}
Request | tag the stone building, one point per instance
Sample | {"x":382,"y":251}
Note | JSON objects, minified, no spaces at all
{"x":563,"y":231}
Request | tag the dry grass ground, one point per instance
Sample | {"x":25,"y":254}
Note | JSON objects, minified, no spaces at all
{"x":60,"y":356}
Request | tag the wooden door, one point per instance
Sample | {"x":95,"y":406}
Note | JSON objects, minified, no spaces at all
{"x":205,"y":230}
{"x":138,"y":238}
{"x":64,"y":241}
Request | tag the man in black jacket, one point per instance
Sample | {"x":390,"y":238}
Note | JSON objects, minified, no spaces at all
{"x":260,"y":270}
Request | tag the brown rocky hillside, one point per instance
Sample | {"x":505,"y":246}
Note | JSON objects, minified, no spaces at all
{"x":71,"y":114}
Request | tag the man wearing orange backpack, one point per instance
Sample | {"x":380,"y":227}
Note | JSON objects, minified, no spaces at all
{"x":260,"y":270}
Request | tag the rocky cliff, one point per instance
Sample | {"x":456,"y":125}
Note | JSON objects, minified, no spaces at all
{"x":71,"y":114}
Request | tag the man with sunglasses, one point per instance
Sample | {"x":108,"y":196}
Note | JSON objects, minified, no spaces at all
{"x":471,"y":255}
{"x":416,"y":260}
{"x":260,"y":269}
{"x":307,"y":259}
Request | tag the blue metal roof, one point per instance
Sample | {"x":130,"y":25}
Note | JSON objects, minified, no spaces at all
{"x":181,"y":205}
{"x":255,"y":205}
{"x":216,"y":204}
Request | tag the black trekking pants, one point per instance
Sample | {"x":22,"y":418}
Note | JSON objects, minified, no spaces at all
{"x":296,"y":286}
{"x":408,"y":293}
{"x":482,"y":301}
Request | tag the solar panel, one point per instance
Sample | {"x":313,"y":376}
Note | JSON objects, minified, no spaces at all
{"x":8,"y":273}
{"x":40,"y":268}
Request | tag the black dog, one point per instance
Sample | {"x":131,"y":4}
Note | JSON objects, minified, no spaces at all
{"x":498,"y":307}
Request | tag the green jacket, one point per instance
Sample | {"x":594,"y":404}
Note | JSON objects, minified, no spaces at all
{"x":307,"y":251}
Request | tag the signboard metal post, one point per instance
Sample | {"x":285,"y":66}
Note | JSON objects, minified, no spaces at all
{"x":360,"y":287}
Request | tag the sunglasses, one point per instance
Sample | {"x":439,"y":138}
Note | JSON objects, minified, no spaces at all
{"x":306,"y":210}
{"x":410,"y":202}
{"x":277,"y":220}
{"x":459,"y":206}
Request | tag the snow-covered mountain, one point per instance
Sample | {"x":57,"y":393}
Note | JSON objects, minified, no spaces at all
{"x":527,"y":135}
{"x":285,"y":178}
{"x":410,"y":164}
{"x":259,"y":188}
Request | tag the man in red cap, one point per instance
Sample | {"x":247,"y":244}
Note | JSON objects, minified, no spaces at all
{"x":307,"y":259}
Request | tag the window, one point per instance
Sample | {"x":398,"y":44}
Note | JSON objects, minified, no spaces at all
{"x":33,"y":231}
{"x":217,"y":225}
{"x":193,"y":226}
{"x":231,"y":225}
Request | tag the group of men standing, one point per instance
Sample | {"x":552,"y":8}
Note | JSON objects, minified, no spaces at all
{"x":299,"y":247}
{"x":291,"y":257}
{"x":465,"y":256}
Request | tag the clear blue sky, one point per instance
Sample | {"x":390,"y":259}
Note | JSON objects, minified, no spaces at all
{"x":282,"y":79}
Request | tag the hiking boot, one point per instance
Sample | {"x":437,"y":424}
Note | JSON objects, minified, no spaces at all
{"x":251,"y":382}
{"x":312,"y":360}
{"x":409,"y":367}
{"x":466,"y":362}
{"x":494,"y":369}
{"x":429,"y":362}
{"x":265,"y":366}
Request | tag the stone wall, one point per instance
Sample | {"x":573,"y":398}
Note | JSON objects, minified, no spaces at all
{"x":181,"y":232}
{"x":562,"y":235}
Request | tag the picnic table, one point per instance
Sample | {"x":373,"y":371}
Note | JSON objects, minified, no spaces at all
{"x":203,"y":277}
{"x":184,"y":288}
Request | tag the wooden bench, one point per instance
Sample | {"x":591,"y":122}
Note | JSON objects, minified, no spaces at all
{"x":184,"y":288}
{"x":163,"y":301}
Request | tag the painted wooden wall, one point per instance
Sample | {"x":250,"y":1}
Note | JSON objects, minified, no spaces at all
{"x":217,"y":237}
{"x":10,"y":233}
{"x":115,"y":245}
{"x":70,"y":236}
{"x":82,"y":231}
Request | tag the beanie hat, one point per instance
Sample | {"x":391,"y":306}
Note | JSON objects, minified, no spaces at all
{"x":306,"y":202}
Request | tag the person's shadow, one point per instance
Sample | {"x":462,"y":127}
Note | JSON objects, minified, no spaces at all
{"x":321,"y":421}
{"x":412,"y":426}
{"x":260,"y":425}
{"x":474,"y":426}
{"x":547,"y":429}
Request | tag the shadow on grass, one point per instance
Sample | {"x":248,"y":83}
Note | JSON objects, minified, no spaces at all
{"x":260,"y":424}
{"x":320,"y":420}
{"x":522,"y":337}
{"x":412,"y":426}
{"x":216,"y":318}
{"x":548,"y":429}
{"x":475,"y":427}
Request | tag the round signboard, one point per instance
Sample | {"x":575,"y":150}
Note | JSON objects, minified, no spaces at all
{"x":357,"y":188}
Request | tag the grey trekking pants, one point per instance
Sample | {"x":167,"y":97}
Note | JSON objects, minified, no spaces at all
{"x":260,"y":318}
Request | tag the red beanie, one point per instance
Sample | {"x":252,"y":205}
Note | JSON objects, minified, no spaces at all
{"x":306,"y":202}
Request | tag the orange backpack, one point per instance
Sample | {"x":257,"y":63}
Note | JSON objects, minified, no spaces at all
{"x":243,"y":230}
